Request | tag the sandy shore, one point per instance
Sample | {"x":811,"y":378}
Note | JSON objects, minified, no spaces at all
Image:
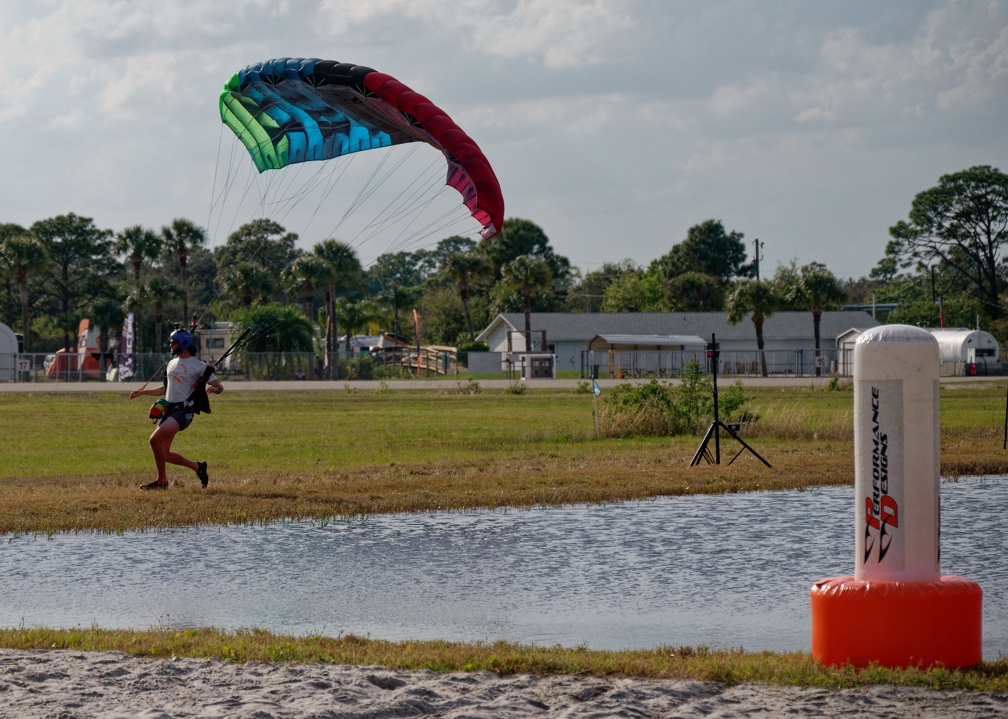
{"x":85,"y":684}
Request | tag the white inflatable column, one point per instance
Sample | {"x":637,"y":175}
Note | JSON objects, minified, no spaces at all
{"x":897,"y":455}
{"x":897,"y":610}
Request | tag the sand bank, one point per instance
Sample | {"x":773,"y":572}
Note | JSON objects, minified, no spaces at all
{"x":94,"y":684}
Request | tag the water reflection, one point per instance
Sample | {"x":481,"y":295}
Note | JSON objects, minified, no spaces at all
{"x":727,"y":570}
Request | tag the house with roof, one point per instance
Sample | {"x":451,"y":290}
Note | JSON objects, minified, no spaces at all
{"x":621,"y":344}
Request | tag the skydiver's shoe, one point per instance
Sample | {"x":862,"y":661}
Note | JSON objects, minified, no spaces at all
{"x":201,"y":473}
{"x":154,"y":485}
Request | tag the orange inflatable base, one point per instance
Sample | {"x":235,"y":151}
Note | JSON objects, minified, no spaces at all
{"x":897,"y":624}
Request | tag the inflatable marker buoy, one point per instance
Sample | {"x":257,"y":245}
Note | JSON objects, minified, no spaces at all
{"x":897,"y":624}
{"x":897,"y":610}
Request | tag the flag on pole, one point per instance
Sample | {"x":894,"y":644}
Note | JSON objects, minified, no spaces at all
{"x":126,"y":349}
{"x":596,"y":389}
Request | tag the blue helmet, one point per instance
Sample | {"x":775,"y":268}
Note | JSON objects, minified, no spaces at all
{"x":184,"y":339}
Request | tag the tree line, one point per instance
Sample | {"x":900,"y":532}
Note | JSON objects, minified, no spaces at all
{"x":943,"y":264}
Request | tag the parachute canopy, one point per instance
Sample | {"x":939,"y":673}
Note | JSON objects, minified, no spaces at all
{"x":291,"y":110}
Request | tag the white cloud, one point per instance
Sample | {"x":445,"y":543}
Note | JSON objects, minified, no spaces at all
{"x":735,"y":99}
{"x":814,"y":115}
{"x":554,"y":33}
{"x":604,"y":119}
{"x":563,"y":33}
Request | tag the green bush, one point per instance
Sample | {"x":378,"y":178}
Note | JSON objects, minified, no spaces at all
{"x":517,"y":388}
{"x":659,"y":409}
{"x":643,"y":410}
{"x":469,"y":387}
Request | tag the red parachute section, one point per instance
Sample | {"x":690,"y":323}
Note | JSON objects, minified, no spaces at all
{"x":468,"y":169}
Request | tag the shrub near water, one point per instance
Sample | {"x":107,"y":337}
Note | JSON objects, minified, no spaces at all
{"x":659,"y":409}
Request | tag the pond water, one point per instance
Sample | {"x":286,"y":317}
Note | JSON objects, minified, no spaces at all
{"x":724,"y":570}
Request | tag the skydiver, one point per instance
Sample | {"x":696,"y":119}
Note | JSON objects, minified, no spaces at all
{"x":182,"y":389}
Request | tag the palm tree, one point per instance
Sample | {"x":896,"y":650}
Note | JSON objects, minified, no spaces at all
{"x":22,"y":255}
{"x":137,"y":301}
{"x":529,"y":275}
{"x":308,"y":274}
{"x":180,"y":237}
{"x":462,"y":267}
{"x":399,"y":296}
{"x":817,"y":288}
{"x":140,"y":244}
{"x":248,"y":279}
{"x":161,"y":291}
{"x":354,"y":316}
{"x":276,"y":328}
{"x":106,"y":313}
{"x":345,"y":270}
{"x":757,"y":298}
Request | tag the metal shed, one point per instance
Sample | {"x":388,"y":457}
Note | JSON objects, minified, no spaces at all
{"x":626,"y":355}
{"x":8,"y":353}
{"x":955,"y":345}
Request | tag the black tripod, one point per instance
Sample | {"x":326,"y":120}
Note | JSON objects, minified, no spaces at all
{"x":717,"y":425}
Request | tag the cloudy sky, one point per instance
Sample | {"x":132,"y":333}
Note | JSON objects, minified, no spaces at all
{"x":613,"y":124}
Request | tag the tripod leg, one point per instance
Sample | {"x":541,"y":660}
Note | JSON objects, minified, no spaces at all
{"x":742,"y":442}
{"x":702,"y":452}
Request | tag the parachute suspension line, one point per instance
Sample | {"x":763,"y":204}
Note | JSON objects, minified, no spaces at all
{"x":324,"y":180}
{"x":213,"y":187}
{"x":287,"y":198}
{"x":222,"y":286}
{"x":230,"y":180}
{"x":213,"y":202}
{"x":219,"y":200}
{"x":420,"y":201}
{"x":377,"y":179}
{"x":405,"y":235}
{"x":362,"y":195}
{"x":435,"y":226}
{"x":244,"y":255}
{"x":253,"y":181}
{"x":334,"y":180}
{"x":411,"y":208}
{"x":420,"y":187}
{"x":274,"y":193}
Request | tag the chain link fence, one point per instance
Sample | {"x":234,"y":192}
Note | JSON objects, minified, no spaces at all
{"x":643,"y":364}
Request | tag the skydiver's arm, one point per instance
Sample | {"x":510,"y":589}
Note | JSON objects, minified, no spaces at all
{"x":152,"y":392}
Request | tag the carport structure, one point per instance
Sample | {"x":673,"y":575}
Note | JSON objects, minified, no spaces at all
{"x":622,"y":356}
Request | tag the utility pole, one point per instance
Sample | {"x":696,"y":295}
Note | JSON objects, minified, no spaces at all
{"x":757,"y":244}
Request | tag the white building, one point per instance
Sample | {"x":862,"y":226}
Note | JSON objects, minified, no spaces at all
{"x":788,"y":337}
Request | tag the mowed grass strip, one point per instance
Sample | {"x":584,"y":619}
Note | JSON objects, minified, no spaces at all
{"x":74,"y":462}
{"x":730,"y":666}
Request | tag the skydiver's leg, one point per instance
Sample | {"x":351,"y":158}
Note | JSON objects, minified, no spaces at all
{"x":176,"y":458}
{"x":181,"y":420}
{"x":160,"y":442}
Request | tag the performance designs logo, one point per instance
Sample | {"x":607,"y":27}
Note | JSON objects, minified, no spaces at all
{"x":881,"y":509}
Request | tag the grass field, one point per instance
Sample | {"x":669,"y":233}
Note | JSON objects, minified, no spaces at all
{"x":73,"y":463}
